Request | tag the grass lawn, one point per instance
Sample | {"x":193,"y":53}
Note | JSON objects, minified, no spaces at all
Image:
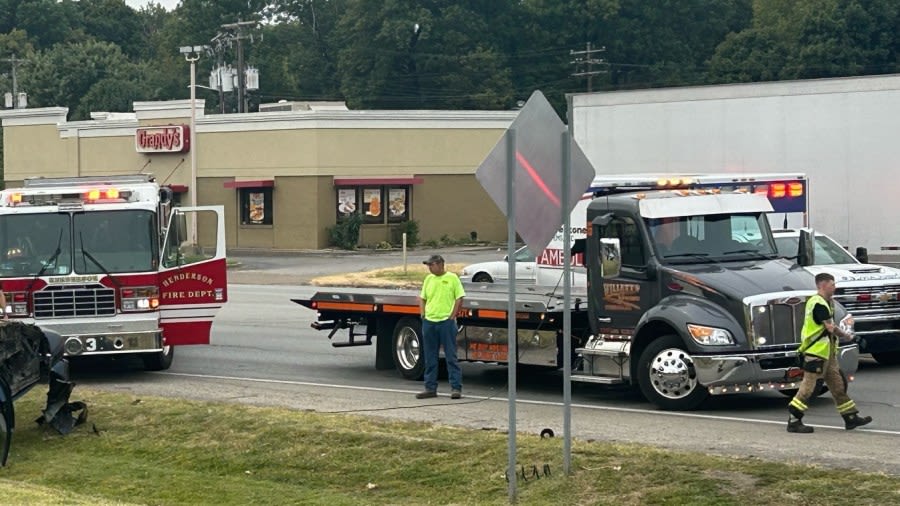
{"x":163,"y":451}
{"x":389,"y":277}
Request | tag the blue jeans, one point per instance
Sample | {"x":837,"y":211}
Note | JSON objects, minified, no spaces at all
{"x":435,"y":335}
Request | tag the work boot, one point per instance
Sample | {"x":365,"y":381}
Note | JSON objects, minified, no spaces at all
{"x":853,"y":420}
{"x":426,"y":394}
{"x":797,"y":427}
{"x":456,"y":393}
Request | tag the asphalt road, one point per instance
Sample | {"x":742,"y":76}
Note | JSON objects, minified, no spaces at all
{"x":264,"y":352}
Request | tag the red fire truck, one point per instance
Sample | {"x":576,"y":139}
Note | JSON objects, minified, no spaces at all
{"x":109,"y":263}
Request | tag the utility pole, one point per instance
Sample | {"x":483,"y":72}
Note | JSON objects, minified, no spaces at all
{"x":586,"y":57}
{"x":15,"y":82}
{"x":237,"y":33}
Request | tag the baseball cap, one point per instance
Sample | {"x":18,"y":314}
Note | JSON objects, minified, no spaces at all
{"x":434,"y":259}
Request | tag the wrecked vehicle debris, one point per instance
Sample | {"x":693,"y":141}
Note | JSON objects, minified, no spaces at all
{"x":30,"y":356}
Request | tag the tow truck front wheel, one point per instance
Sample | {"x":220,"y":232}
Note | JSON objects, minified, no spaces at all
{"x":667,"y":377}
{"x":159,"y":361}
{"x":408,"y":348}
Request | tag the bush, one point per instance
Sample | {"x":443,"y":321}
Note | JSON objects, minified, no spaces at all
{"x":384,"y":245}
{"x":345,"y":234}
{"x":411,"y":229}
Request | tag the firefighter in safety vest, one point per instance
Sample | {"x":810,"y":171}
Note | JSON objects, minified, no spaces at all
{"x":819,"y":348}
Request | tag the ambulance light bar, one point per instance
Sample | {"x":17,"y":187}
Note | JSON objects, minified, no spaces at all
{"x":774,"y":186}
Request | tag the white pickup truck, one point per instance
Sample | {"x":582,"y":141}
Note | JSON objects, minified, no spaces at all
{"x":871,"y":293}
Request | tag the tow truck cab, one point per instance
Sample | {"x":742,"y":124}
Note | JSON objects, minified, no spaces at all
{"x":689,"y":297}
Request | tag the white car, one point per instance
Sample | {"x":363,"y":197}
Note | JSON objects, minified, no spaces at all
{"x":489,"y":272}
{"x":869,"y":292}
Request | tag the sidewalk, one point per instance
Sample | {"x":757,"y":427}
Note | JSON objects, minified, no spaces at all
{"x":299,"y":267}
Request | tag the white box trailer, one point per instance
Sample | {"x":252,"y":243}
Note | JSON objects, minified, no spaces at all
{"x":841,"y":133}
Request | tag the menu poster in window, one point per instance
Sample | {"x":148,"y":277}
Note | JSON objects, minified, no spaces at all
{"x":257,"y":207}
{"x":346,"y":201}
{"x":372,"y":201}
{"x":397,"y":203}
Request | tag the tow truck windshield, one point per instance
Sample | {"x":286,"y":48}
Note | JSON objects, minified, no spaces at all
{"x":28,"y":244}
{"x":116,"y":241}
{"x":712,"y":238}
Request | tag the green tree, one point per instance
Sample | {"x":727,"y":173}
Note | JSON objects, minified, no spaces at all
{"x":113,"y":21}
{"x":296,"y":56}
{"x":811,"y":39}
{"x":413,"y":54}
{"x":48,"y":22}
{"x":64,"y":74}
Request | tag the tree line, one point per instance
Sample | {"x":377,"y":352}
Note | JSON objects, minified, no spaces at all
{"x":101,"y":55}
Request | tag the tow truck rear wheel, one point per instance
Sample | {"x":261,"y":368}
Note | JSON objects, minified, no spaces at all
{"x":887,"y":357}
{"x":159,"y":361}
{"x":667,"y":377}
{"x":408,"y":348}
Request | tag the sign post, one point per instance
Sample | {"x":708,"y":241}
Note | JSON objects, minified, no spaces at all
{"x":524,"y":175}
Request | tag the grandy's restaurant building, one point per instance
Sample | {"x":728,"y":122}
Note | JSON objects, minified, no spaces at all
{"x":284,"y":176}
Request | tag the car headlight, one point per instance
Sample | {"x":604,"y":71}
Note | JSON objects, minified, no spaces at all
{"x":710,"y":336}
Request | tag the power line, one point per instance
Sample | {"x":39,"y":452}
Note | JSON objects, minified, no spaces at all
{"x":586,"y":58}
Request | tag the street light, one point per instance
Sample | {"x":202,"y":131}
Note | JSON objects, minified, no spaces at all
{"x":192,"y":54}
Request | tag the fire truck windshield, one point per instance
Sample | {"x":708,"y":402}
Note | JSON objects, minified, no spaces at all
{"x":28,"y":244}
{"x":115,"y":241}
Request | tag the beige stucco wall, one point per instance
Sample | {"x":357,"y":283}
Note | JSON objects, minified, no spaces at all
{"x":302,"y":157}
{"x":34,"y":150}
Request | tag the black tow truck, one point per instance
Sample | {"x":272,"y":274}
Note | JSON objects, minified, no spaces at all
{"x":686,"y":297}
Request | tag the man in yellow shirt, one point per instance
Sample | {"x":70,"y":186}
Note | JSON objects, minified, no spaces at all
{"x":439,"y":302}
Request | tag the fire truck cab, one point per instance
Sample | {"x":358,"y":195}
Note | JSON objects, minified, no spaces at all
{"x":111,"y":265}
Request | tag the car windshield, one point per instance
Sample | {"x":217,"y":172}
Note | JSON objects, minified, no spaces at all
{"x":828,"y":252}
{"x":28,"y":244}
{"x":524,"y":254}
{"x":118,"y":241}
{"x":712,"y":238}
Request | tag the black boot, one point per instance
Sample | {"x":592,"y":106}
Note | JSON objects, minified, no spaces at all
{"x":797,"y":426}
{"x":853,"y":420}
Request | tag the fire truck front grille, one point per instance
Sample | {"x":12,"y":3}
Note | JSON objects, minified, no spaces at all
{"x":778,"y":322}
{"x":69,"y":301}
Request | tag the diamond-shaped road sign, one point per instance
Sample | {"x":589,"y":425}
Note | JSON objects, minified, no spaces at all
{"x":539,"y":172}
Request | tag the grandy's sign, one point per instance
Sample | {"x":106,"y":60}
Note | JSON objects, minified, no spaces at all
{"x":162,"y":139}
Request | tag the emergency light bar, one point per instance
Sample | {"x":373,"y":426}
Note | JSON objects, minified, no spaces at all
{"x":47,"y":198}
{"x":786,"y":192}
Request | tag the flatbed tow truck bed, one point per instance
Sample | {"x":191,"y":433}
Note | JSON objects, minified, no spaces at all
{"x":393,"y":320}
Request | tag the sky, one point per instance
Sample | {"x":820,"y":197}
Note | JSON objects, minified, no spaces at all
{"x":167,"y":4}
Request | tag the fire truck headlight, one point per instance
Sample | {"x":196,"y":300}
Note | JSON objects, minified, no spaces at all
{"x":710,"y":336}
{"x":20,"y":309}
{"x":73,"y":346}
{"x":140,"y":298}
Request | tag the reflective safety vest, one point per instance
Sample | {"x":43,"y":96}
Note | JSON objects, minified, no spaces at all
{"x":811,"y":330}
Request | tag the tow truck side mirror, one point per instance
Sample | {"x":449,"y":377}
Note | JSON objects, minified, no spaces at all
{"x":806,"y":252}
{"x":610,"y":258}
{"x":862,"y":254}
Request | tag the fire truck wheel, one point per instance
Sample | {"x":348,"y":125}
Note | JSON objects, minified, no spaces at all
{"x":159,"y":361}
{"x":408,"y":348}
{"x":667,"y":377}
{"x":887,"y":357}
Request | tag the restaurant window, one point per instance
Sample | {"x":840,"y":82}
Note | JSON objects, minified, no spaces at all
{"x":376,"y":204}
{"x":256,"y":206}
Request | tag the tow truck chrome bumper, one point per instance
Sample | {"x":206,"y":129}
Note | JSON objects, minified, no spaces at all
{"x":723,"y":374}
{"x":131,"y":333}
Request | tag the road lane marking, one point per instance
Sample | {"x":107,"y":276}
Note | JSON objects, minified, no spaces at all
{"x":522,"y":401}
